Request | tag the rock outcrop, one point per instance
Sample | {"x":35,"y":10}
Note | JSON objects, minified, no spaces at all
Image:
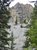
{"x":19,"y":13}
{"x":22,"y":12}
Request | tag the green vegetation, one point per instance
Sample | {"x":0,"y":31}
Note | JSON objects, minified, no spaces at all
{"x":4,"y":17}
{"x":12,"y":41}
{"x":32,"y":32}
{"x":28,"y":48}
{"x":25,"y":48}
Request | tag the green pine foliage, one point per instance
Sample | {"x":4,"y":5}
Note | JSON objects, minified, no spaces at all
{"x":26,"y":43}
{"x":32,"y":32}
{"x":4,"y":17}
{"x":12,"y":42}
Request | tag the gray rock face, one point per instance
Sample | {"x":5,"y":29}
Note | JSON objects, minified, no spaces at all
{"x":18,"y":34}
{"x":21,"y":12}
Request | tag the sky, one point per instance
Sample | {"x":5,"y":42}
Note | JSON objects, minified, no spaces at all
{"x":21,"y":1}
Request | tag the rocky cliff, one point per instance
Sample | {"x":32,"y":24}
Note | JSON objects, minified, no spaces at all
{"x":22,"y":12}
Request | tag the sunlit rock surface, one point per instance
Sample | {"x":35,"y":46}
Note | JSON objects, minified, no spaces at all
{"x":18,"y":34}
{"x":20,"y":12}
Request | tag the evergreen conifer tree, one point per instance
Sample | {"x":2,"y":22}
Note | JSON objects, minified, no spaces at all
{"x":4,"y":17}
{"x":32,"y":32}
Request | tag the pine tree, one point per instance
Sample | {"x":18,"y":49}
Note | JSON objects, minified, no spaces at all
{"x":12,"y":41}
{"x":32,"y":32}
{"x":4,"y":17}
